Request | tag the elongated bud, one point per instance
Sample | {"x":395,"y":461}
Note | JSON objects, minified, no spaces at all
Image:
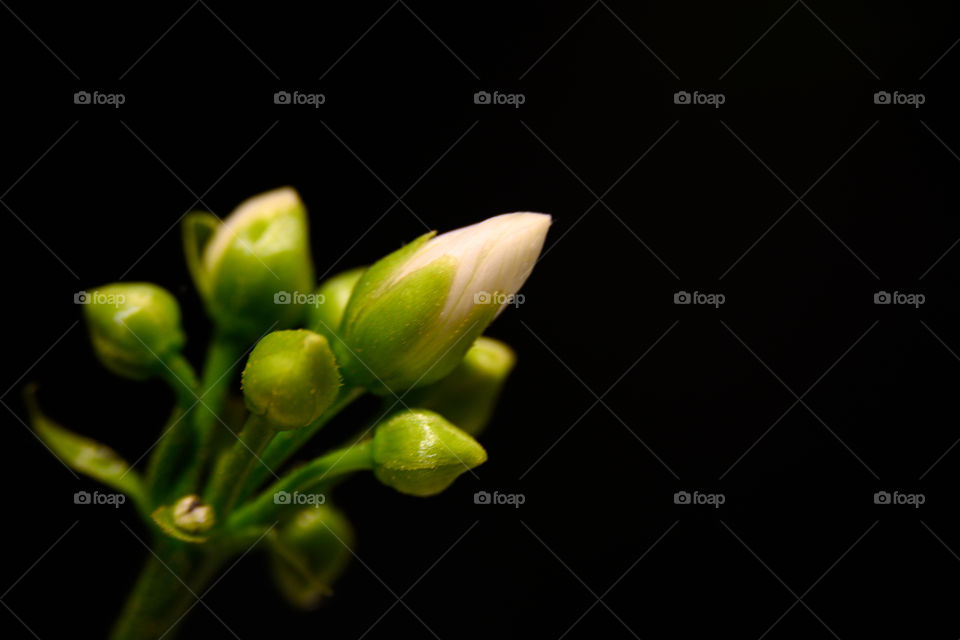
{"x":291,"y":378}
{"x":469,"y":394}
{"x":331,"y":301}
{"x":134,"y":327}
{"x":254,"y":269}
{"x":414,"y":314}
{"x":419,"y":453}
{"x":309,"y":554}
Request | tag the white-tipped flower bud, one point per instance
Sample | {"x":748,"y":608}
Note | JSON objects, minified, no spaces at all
{"x":414,"y":314}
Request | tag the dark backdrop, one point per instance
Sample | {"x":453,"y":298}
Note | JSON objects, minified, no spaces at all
{"x":797,"y":199}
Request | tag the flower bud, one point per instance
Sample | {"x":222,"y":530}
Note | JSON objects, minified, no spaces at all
{"x":134,"y":327}
{"x":290,"y":379}
{"x":248,"y":267}
{"x":414,"y":314}
{"x":192,"y":516}
{"x":331,"y":301}
{"x":419,"y":453}
{"x":310,"y":552}
{"x":469,"y":394}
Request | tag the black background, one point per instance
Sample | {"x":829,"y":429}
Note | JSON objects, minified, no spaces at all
{"x":621,"y":398}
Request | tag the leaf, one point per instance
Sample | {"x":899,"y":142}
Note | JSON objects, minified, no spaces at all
{"x":163,"y":516}
{"x":84,"y":454}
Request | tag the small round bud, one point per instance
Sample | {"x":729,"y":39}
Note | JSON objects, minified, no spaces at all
{"x":291,"y":378}
{"x":469,"y":394}
{"x":134,"y":327}
{"x":310,"y":552}
{"x":192,"y":515}
{"x":252,"y":269}
{"x":331,"y":301}
{"x":418,"y":452}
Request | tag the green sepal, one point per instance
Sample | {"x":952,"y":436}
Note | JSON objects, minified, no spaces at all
{"x":87,"y":456}
{"x":333,"y":296}
{"x":163,"y":516}
{"x":198,"y":229}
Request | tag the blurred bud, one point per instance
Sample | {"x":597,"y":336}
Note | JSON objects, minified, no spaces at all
{"x":469,"y":394}
{"x":191,"y":515}
{"x":251,"y":268}
{"x":291,"y":378}
{"x":414,"y":314}
{"x":331,"y":301}
{"x":419,"y":453}
{"x":134,"y":327}
{"x":310,"y":552}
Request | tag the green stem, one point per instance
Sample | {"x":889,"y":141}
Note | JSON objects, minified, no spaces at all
{"x":223,"y":355}
{"x":170,"y":471}
{"x":266,"y":509}
{"x":233,"y":468}
{"x":162,"y":594}
{"x":286,"y":443}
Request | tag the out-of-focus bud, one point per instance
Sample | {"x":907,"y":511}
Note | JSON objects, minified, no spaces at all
{"x":414,"y":314}
{"x":310,"y":552}
{"x":252,"y":268}
{"x":331,"y":301}
{"x":192,"y":516}
{"x":134,"y":327}
{"x":469,"y":394}
{"x":291,"y":378}
{"x":419,"y":453}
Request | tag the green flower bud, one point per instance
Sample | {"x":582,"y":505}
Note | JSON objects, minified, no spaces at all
{"x":414,"y":314}
{"x":291,"y":378}
{"x":331,"y":301}
{"x":469,"y":394}
{"x":251,"y":269}
{"x":192,"y":516}
{"x":419,"y":453}
{"x":134,"y":327}
{"x":309,"y":554}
